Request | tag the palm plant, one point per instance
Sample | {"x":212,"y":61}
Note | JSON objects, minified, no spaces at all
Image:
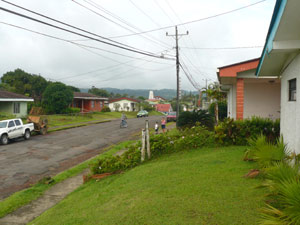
{"x":282,"y":181}
{"x":215,"y":94}
{"x":266,"y":153}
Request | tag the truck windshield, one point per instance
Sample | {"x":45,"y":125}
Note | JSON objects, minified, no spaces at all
{"x":3,"y":124}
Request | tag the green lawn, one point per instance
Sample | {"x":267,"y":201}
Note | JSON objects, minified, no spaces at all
{"x":204,"y":186}
{"x":60,"y":120}
{"x":25,"y":196}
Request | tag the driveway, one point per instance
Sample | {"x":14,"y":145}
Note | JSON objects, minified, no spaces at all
{"x":25,"y":162}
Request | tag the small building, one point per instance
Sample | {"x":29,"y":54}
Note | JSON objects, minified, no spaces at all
{"x":159,"y":98}
{"x":88,"y":102}
{"x":14,"y":104}
{"x":281,"y":57}
{"x":247,"y":95}
{"x":123,"y":104}
{"x":164,"y":108}
{"x":153,"y":102}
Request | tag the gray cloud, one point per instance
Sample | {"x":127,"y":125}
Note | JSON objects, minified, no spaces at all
{"x":57,"y":60}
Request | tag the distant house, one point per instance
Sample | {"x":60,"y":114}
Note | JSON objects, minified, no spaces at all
{"x":159,"y":98}
{"x":153,"y":102}
{"x":123,"y":104}
{"x":164,"y":108}
{"x":281,"y":57}
{"x":248,"y":96}
{"x":14,"y":104}
{"x":88,"y":102}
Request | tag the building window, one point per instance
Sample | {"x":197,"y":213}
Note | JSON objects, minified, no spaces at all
{"x":93,"y":104}
{"x":292,"y":90}
{"x":16,"y":107}
{"x":101,"y":104}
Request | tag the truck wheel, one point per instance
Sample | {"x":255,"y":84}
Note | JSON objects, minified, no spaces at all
{"x":4,"y":139}
{"x":27,"y":134}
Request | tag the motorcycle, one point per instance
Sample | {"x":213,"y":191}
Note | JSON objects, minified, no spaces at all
{"x":123,"y":124}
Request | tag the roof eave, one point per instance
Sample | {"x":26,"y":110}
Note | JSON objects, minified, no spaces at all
{"x":16,"y":100}
{"x":276,"y":17}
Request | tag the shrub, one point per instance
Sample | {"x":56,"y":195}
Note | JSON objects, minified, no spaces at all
{"x":72,"y":110}
{"x":238,"y":132}
{"x":105,"y":109}
{"x":129,"y":159}
{"x":6,"y":116}
{"x":195,"y":137}
{"x":189,"y":119}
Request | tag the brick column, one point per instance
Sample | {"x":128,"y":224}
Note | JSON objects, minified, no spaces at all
{"x":240,"y":99}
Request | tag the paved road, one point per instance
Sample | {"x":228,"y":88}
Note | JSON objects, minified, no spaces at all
{"x":25,"y":162}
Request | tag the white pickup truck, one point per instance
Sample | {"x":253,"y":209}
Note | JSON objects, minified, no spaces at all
{"x":14,"y":128}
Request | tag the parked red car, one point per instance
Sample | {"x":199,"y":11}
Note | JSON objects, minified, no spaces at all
{"x":171,"y":116}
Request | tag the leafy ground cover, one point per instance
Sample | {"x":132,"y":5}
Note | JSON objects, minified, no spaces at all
{"x":202,"y":186}
{"x":60,"y":120}
{"x":23,"y":197}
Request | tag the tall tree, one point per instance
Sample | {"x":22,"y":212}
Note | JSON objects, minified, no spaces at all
{"x":99,"y":92}
{"x":74,"y":89}
{"x":24,"y":83}
{"x":57,"y":98}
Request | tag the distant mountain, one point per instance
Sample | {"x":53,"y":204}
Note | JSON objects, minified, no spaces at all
{"x":165,"y":93}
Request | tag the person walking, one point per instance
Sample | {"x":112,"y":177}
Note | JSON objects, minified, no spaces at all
{"x":163,"y":124}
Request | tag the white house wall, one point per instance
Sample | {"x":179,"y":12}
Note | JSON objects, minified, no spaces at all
{"x":122,"y":104}
{"x":290,"y":110}
{"x":261,"y":99}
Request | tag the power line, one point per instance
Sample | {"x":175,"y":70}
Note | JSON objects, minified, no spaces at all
{"x":82,"y":46}
{"x":149,"y":17}
{"x":97,"y":6}
{"x":164,"y":12}
{"x":222,"y":48}
{"x":66,"y":24}
{"x":194,"y":21}
{"x":189,"y":38}
{"x":192,"y":81}
{"x":82,"y":35}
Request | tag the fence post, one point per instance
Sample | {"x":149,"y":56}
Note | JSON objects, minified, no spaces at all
{"x":148,"y":140}
{"x":143,"y":145}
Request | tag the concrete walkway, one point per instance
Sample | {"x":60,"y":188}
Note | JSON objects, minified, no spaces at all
{"x":50,"y":198}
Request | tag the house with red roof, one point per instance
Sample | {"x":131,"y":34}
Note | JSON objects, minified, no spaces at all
{"x":164,"y":108}
{"x":88,"y":102}
{"x":123,"y":104}
{"x":247,"y":95}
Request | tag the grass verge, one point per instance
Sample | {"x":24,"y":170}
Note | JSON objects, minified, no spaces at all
{"x":77,"y":125}
{"x":203,"y":186}
{"x":61,"y":120}
{"x":24,"y":197}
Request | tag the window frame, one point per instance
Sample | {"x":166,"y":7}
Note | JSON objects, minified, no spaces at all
{"x":292,"y":90}
{"x":93,"y":104}
{"x":17,"y":107}
{"x":14,"y":125}
{"x":17,"y":122}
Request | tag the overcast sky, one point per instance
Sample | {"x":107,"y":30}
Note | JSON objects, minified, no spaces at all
{"x":85,"y":67}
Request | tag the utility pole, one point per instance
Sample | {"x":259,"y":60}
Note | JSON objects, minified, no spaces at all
{"x":177,"y":67}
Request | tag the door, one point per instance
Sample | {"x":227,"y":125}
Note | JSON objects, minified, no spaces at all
{"x":19,"y":128}
{"x":12,"y":130}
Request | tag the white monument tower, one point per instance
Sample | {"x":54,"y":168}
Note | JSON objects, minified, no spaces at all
{"x":151,"y":95}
